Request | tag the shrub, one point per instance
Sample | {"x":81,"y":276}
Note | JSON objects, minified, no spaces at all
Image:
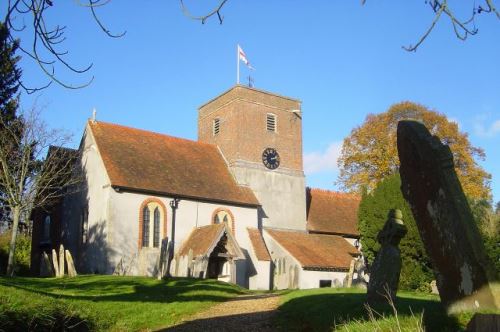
{"x":416,"y":272}
{"x":23,"y":253}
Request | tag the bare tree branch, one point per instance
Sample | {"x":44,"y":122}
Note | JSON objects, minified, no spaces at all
{"x":204,"y":18}
{"x":47,"y":40}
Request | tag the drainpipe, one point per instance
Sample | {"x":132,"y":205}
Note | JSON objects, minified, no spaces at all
{"x":174,"y":204}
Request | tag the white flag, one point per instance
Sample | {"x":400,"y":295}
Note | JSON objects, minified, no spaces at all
{"x":242,"y":56}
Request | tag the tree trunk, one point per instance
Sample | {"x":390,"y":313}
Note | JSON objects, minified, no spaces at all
{"x":16,"y":213}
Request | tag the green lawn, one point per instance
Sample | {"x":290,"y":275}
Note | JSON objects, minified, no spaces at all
{"x":327,"y":309}
{"x":104,"y":302}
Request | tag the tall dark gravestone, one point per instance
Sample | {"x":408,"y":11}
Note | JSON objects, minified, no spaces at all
{"x":444,"y":219}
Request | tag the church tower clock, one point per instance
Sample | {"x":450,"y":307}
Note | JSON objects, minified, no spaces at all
{"x":260,"y":136}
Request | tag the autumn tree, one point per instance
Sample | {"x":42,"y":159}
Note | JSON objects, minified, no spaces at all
{"x":369,"y":154}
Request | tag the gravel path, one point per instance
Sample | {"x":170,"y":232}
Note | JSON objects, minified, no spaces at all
{"x":243,"y":313}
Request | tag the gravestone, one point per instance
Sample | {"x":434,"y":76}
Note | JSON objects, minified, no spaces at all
{"x":55,"y":263}
{"x":444,"y":219}
{"x":45,"y":266}
{"x":350,"y":274}
{"x":190,"y":263}
{"x":384,"y":278}
{"x":61,"y":261}
{"x":162,"y":262}
{"x":70,"y":263}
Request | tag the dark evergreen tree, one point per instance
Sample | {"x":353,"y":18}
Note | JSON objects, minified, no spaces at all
{"x":10,"y":76}
{"x":416,"y":272}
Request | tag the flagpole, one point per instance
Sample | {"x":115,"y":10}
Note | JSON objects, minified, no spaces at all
{"x":237,"y":64}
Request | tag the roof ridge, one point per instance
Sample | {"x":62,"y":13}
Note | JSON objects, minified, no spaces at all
{"x":336,"y":193}
{"x":92,"y":123}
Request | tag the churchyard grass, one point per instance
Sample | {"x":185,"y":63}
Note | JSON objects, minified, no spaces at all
{"x":105,"y":302}
{"x":343,"y":309}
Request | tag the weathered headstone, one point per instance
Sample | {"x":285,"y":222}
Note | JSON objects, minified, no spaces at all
{"x":190,"y":263}
{"x":61,"y":261}
{"x":55,"y":263}
{"x":384,"y":278}
{"x":434,"y":289}
{"x":444,"y":219}
{"x":350,"y":274}
{"x":70,"y":264}
{"x":46,"y":269}
{"x":162,"y":263}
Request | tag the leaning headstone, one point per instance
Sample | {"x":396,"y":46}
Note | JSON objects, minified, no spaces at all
{"x":61,"y":261}
{"x":444,"y":219}
{"x":384,"y":278}
{"x":55,"y":263}
{"x":45,"y":266}
{"x":70,"y":264}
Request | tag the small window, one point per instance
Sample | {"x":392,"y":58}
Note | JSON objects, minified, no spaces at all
{"x":271,"y":122}
{"x":325,"y":283}
{"x":216,"y":127}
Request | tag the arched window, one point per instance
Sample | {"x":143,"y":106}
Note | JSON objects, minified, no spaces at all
{"x":152,"y":223}
{"x":225,"y":216}
{"x":46,"y":230}
{"x":156,"y":223}
{"x":145,"y":227}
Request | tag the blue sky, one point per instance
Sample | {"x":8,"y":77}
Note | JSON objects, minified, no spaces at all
{"x":343,"y":60}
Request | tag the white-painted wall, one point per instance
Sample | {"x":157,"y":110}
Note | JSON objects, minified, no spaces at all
{"x":124,"y":210}
{"x":311,"y":279}
{"x":93,"y":195}
{"x":282,"y":278}
{"x":281,"y":193}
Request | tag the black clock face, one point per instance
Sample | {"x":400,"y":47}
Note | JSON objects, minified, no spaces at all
{"x":271,"y":158}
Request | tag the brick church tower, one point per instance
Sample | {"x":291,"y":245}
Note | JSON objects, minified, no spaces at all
{"x":260,"y":135}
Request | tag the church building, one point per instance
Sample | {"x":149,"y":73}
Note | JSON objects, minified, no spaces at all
{"x":232,"y":205}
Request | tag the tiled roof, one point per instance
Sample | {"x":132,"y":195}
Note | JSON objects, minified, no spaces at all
{"x":258,"y":244}
{"x":316,"y":250}
{"x":141,"y":160}
{"x":201,"y":240}
{"x":332,"y":212}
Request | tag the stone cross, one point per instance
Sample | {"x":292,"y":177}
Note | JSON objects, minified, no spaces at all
{"x":444,"y":219}
{"x":384,"y":277}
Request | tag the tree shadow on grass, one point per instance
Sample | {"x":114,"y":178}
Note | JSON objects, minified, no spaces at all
{"x":126,"y":289}
{"x":323,"y":312}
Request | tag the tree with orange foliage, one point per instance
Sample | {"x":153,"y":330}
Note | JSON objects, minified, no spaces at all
{"x":369,"y":154}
